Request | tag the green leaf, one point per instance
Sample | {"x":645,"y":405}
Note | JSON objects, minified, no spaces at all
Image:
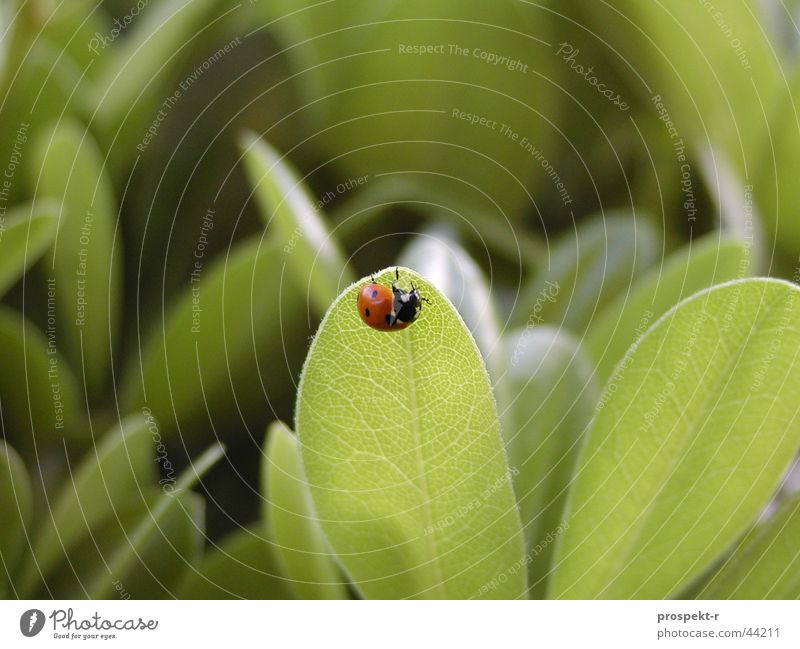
{"x":436,"y":255}
{"x":158,"y":570}
{"x":44,"y":87}
{"x":121,"y":464}
{"x":693,"y":434}
{"x":69,"y":27}
{"x":8,"y":28}
{"x":765,"y":563}
{"x":715,"y":65}
{"x":587,"y":268}
{"x":160,"y":563}
{"x":38,"y":391}
{"x":149,"y":530}
{"x":130,"y":88}
{"x":16,"y":504}
{"x":216,"y":353}
{"x":477,"y":218}
{"x":25,"y":233}
{"x":553,"y":401}
{"x":375,"y":106}
{"x":402,"y":451}
{"x":739,"y":216}
{"x":693,"y":267}
{"x":300,"y":544}
{"x":242,"y":566}
{"x":312,"y":256}
{"x":772,"y":171}
{"x":85,"y":261}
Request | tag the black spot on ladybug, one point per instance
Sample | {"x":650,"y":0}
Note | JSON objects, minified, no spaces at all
{"x":374,"y":294}
{"x":388,"y":318}
{"x":366,"y":312}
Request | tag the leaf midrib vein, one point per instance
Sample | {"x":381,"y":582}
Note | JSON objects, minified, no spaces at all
{"x":422,"y":478}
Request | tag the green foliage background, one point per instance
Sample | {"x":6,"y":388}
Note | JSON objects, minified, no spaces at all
{"x":598,"y":199}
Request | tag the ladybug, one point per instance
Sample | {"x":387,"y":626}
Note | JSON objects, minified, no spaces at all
{"x":389,"y":309}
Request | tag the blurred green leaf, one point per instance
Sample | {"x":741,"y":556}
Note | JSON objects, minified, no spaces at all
{"x":69,"y":27}
{"x":158,"y":570}
{"x":241,"y":567}
{"x":300,"y":544}
{"x":151,"y":529}
{"x":86,"y":260}
{"x":160,"y":563}
{"x":38,"y":391}
{"x":25,"y":233}
{"x":16,"y":498}
{"x":778,"y":190}
{"x":765,"y":563}
{"x":8,"y":29}
{"x":436,"y":255}
{"x":739,"y":216}
{"x":120,"y":465}
{"x":697,"y":265}
{"x":314,"y":259}
{"x":403,"y":455}
{"x":37,"y":92}
{"x":217,"y":353}
{"x":694,"y":432}
{"x":477,"y":218}
{"x":553,"y":402}
{"x":712,"y":64}
{"x":376,"y":105}
{"x":42,"y":89}
{"x":587,"y":268}
{"x":134,"y":69}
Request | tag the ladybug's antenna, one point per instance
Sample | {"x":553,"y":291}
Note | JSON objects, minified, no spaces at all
{"x":396,"y":272}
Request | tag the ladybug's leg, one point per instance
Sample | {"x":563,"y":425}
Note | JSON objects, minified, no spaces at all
{"x":414,"y":290}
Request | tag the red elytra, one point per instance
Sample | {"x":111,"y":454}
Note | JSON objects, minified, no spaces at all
{"x":375,"y":306}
